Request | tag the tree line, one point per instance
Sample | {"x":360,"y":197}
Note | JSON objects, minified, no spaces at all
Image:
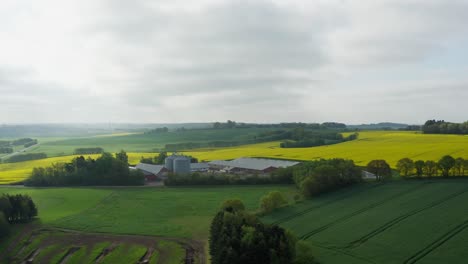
{"x":445,"y":167}
{"x":6,"y":146}
{"x":198,"y":178}
{"x":82,"y":151}
{"x":158,"y":130}
{"x":105,"y":170}
{"x":238,"y":237}
{"x":233,"y":124}
{"x":442,"y":127}
{"x":26,"y":157}
{"x":17,"y":208}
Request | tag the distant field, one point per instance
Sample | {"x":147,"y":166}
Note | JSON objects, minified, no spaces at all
{"x":18,"y":171}
{"x":174,"y":212}
{"x":138,"y":142}
{"x":398,"y":222}
{"x":388,"y":145}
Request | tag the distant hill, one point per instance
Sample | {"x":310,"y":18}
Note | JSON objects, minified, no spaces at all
{"x":378,"y":126}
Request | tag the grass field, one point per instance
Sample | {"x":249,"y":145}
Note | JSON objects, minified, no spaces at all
{"x":388,"y":145}
{"x":139,"y":142}
{"x":398,"y":222}
{"x":173,"y":212}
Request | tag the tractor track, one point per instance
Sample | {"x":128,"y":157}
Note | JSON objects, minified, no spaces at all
{"x":400,"y":218}
{"x":298,"y":214}
{"x":360,"y":211}
{"x":436,"y":243}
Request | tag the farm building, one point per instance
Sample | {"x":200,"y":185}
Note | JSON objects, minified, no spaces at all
{"x":199,"y":167}
{"x":367,"y":175}
{"x":250,"y":165}
{"x":153,"y":172}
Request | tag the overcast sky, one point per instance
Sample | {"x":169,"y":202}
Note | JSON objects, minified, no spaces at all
{"x":253,"y":61}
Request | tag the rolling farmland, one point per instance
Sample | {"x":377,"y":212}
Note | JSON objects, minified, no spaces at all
{"x":388,"y":145}
{"x":171,"y":222}
{"x":396,"y":222}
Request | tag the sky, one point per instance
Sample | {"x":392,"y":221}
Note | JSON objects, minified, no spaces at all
{"x":173,"y":61}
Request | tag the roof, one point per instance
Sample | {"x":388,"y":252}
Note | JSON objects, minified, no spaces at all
{"x":154,"y":169}
{"x":254,"y":163}
{"x":199,"y":166}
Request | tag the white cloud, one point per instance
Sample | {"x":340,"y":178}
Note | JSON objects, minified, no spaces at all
{"x":265,"y":61}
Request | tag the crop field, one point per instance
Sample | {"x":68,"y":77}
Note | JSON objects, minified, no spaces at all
{"x":60,"y":246}
{"x":396,"y":222}
{"x":171,"y":212}
{"x":388,"y":145}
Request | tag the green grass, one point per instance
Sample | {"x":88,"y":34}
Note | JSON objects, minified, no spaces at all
{"x":173,"y":252}
{"x":56,"y":203}
{"x":78,"y":256}
{"x":182,"y":212}
{"x":125,"y":254}
{"x":389,"y":223}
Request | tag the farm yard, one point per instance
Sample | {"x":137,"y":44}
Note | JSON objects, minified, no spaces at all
{"x":396,"y":222}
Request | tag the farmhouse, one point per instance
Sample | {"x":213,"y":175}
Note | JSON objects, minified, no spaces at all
{"x":153,"y":172}
{"x":367,"y":175}
{"x":250,"y":165}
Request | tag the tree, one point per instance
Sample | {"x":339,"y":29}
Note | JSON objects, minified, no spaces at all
{"x":122,"y":156}
{"x":445,"y":164}
{"x":419,"y":166}
{"x":380,"y":168}
{"x":160,"y":159}
{"x":405,"y":166}
{"x":430,"y":168}
{"x":458,"y":169}
{"x":235,"y":204}
{"x":304,"y":253}
{"x":4,"y":225}
{"x":272,"y":201}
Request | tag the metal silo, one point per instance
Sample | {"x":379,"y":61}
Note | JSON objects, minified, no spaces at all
{"x":169,"y":162}
{"x":182,"y":165}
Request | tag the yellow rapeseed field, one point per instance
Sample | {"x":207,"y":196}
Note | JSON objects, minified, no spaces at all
{"x":388,"y":145}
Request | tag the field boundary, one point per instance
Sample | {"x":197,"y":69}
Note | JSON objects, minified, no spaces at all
{"x":436,"y":243}
{"x":400,"y":218}
{"x":360,"y":211}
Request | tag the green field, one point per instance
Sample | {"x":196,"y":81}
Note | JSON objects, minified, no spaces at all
{"x":397,"y":222}
{"x":173,"y":212}
{"x":139,"y":142}
{"x":388,"y":145}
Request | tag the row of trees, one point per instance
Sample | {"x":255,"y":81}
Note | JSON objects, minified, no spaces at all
{"x":238,"y":237}
{"x":446,"y":166}
{"x":16,"y":208}
{"x":158,"y":130}
{"x":197,"y":178}
{"x":105,"y":170}
{"x":82,"y":151}
{"x":6,"y":150}
{"x":26,"y":157}
{"x":316,"y":177}
{"x":442,"y":127}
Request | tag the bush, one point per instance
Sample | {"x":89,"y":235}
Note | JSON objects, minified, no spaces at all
{"x":272,"y":201}
{"x":304,"y":253}
{"x":4,"y":226}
